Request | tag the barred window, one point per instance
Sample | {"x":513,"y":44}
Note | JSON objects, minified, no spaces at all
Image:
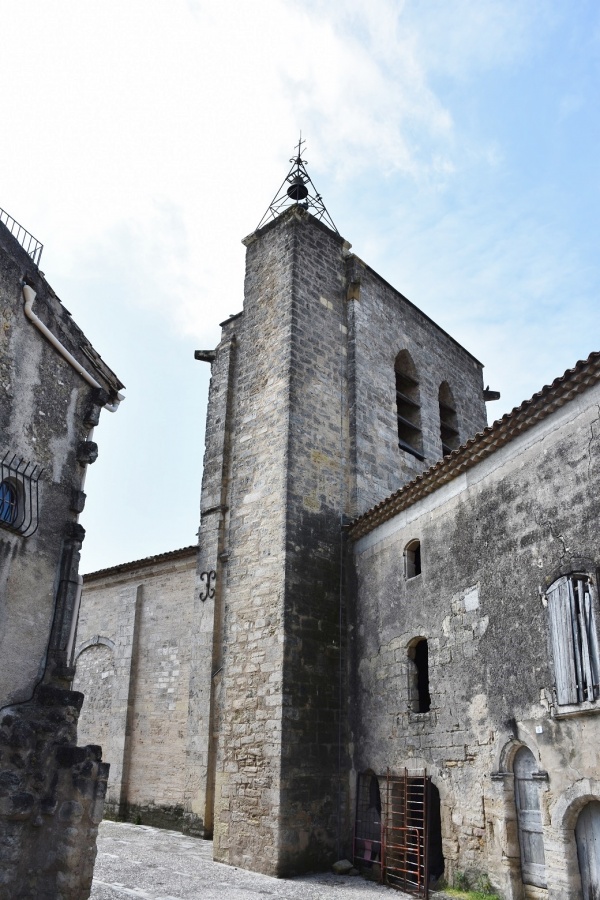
{"x":19,"y":495}
{"x":574,"y":639}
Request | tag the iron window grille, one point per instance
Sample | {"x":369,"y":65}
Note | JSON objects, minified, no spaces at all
{"x":19,"y":494}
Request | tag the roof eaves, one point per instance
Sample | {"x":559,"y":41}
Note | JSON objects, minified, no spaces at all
{"x":182,"y":553}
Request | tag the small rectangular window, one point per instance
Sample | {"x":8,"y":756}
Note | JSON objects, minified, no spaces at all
{"x":574,"y":639}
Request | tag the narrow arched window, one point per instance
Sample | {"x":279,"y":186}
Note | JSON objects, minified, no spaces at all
{"x":448,"y":420}
{"x":412,"y":559}
{"x":420,"y":698}
{"x":8,"y":503}
{"x":408,"y":406}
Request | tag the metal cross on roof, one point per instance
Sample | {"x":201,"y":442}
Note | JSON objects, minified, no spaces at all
{"x":298,"y":189}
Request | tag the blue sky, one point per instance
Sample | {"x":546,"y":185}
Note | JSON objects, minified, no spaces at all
{"x":455,"y":145}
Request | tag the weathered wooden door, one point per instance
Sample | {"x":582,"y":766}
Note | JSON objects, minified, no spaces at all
{"x":587,"y":835}
{"x":529,"y":819}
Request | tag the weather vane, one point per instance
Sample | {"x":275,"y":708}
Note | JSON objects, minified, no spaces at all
{"x":298,"y":189}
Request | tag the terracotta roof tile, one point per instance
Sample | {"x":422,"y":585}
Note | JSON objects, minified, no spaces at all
{"x":138,"y":563}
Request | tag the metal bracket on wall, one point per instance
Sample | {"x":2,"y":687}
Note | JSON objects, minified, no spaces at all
{"x":208,"y":579}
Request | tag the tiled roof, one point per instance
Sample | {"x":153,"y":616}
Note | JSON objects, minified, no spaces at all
{"x":138,"y":563}
{"x":551,"y":397}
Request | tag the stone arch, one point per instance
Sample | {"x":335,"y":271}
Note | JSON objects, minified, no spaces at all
{"x":570,"y":565}
{"x":509,"y":744}
{"x":565,"y":811}
{"x":564,"y":815}
{"x":95,"y":677}
{"x":97,"y":639}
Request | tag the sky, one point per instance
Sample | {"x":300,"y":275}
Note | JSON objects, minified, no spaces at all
{"x":455,"y":144}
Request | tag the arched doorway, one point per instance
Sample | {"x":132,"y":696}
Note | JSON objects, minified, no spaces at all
{"x":587,"y":837}
{"x":529,"y":819}
{"x":367,"y":830}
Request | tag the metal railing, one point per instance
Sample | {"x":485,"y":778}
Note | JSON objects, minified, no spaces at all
{"x":31,"y":245}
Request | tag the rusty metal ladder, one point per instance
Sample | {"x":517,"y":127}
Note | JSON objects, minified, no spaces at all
{"x":401,"y":846}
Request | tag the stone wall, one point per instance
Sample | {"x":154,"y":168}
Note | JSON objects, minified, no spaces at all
{"x":252,"y":571}
{"x":492,"y":540}
{"x":51,"y":799}
{"x":133,"y":665}
{"x":51,"y":791}
{"x":46,"y":413}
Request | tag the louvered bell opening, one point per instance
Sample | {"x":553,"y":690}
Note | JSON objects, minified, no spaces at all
{"x":409,"y":415}
{"x":448,"y":424}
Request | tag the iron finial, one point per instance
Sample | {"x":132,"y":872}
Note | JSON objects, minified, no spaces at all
{"x":298,"y":189}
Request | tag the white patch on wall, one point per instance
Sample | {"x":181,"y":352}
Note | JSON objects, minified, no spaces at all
{"x":60,"y":445}
{"x":482,"y":627}
{"x":471,"y":599}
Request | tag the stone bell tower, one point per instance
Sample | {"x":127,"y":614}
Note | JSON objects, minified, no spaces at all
{"x":302,"y":434}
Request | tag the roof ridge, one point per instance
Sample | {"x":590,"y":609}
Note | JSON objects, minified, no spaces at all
{"x":147,"y":560}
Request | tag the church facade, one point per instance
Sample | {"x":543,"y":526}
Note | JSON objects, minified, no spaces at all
{"x":380,"y":593}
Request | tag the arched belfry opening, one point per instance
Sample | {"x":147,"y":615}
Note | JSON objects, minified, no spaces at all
{"x":448,"y":420}
{"x":408,"y":405}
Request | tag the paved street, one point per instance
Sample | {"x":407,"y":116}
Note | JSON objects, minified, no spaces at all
{"x":135,"y":861}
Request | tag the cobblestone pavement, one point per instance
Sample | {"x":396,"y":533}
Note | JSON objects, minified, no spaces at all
{"x":135,"y":861}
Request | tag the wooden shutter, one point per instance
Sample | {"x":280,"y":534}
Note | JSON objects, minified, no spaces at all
{"x":560,"y":601}
{"x":591,"y":639}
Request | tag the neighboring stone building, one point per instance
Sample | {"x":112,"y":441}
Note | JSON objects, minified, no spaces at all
{"x":483,"y":666}
{"x":339,"y":635}
{"x":133,"y":665}
{"x":53,"y":385}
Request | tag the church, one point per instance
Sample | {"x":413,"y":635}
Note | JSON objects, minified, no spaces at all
{"x":385,"y":645}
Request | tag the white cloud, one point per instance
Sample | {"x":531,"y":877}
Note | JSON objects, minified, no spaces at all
{"x":172,"y":123}
{"x":143,"y":140}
